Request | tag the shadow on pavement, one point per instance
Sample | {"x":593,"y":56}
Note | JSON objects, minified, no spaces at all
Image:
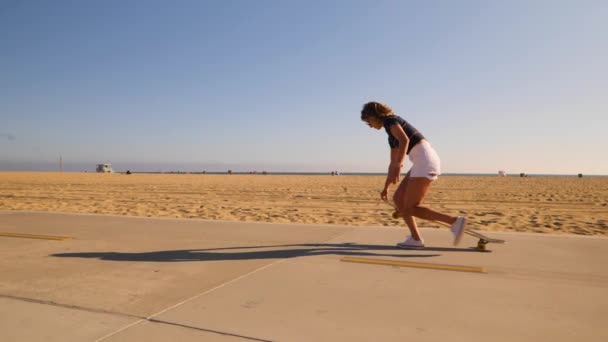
{"x":246,"y":253}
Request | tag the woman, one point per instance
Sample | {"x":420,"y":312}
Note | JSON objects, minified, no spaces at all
{"x":404,"y":139}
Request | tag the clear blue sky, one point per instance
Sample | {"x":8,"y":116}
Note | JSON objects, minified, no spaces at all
{"x":278,"y":85}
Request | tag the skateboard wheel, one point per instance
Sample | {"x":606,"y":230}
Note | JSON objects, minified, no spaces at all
{"x":481,"y":245}
{"x":395,"y":215}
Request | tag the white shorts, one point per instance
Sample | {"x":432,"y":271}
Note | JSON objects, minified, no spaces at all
{"x":426,"y":161}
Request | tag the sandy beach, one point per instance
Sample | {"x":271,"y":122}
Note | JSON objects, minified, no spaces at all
{"x":532,"y":204}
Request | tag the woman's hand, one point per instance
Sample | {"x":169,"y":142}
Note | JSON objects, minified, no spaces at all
{"x":384,"y":194}
{"x":394,"y":173}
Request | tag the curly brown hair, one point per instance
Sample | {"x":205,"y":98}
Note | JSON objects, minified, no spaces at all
{"x":376,"y":110}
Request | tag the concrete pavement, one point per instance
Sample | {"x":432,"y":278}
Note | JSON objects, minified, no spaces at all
{"x":131,"y":279}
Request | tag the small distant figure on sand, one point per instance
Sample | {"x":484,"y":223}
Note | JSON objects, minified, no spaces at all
{"x":502,"y":173}
{"x":404,"y":139}
{"x":580,"y":175}
{"x":229,"y":172}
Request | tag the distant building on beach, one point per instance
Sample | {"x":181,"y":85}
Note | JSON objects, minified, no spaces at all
{"x":104,"y":168}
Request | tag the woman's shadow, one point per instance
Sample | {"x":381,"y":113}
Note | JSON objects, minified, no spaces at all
{"x":253,"y":252}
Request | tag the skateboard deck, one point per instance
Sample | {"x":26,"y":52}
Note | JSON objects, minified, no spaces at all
{"x":481,"y":244}
{"x":483,"y":240}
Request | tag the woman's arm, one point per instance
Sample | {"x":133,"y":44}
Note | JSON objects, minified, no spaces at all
{"x":399,"y":134}
{"x":397,"y":156}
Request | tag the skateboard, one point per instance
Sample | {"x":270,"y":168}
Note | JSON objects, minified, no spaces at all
{"x":481,"y":244}
{"x":483,"y":240}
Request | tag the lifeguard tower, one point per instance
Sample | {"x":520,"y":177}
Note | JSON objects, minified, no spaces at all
{"x":104,"y":168}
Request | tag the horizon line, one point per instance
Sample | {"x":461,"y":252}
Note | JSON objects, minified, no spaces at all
{"x":304,"y":173}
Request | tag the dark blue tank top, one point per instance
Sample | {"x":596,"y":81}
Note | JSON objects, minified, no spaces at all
{"x":412,"y":133}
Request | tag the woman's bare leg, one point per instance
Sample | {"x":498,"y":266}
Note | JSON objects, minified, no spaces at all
{"x":400,"y":199}
{"x":409,"y":196}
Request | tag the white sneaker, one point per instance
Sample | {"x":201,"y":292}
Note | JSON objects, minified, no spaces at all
{"x":410,"y":243}
{"x":458,"y":229}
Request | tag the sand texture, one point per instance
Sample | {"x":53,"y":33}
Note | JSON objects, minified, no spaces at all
{"x":533,"y":204}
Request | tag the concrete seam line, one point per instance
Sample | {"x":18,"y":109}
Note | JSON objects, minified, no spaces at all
{"x":149,"y":318}
{"x":68,"y":306}
{"x":215,"y":288}
{"x":120,"y":330}
{"x":74,"y":307}
{"x":152,"y":320}
{"x":338,"y":235}
{"x":229,"y":282}
{"x":140,"y":318}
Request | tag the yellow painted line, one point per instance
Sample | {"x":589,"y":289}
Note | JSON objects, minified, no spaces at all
{"x":416,"y":264}
{"x":30,"y":236}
